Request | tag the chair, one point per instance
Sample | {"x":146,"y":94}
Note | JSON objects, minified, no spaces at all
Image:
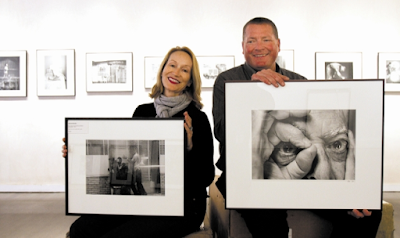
{"x":229,"y":223}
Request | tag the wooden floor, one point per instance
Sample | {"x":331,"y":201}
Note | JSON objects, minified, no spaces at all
{"x":42,"y":215}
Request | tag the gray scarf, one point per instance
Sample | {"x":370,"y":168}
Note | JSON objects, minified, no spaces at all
{"x":169,"y":106}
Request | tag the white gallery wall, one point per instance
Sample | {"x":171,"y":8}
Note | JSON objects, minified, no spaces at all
{"x":31,"y":128}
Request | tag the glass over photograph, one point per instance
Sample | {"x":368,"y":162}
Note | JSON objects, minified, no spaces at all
{"x":338,"y":70}
{"x":305,"y":144}
{"x":55,"y":72}
{"x":111,"y":71}
{"x":125,"y":167}
{"x":393,"y":71}
{"x":9,"y":73}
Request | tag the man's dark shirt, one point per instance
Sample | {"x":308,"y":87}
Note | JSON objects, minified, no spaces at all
{"x":242,"y":72}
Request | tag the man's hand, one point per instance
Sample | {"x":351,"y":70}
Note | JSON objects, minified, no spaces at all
{"x":358,"y":213}
{"x":269,"y":77}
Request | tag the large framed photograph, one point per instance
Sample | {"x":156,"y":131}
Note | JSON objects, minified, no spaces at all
{"x":55,"y":72}
{"x":151,"y":67}
{"x":338,"y":66}
{"x":285,"y":59}
{"x":212,"y":66}
{"x":124,"y":166}
{"x":13,"y":73}
{"x":389,"y":70}
{"x":109,"y":72}
{"x":309,"y":145}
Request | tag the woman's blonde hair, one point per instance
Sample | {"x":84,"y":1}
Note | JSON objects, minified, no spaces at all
{"x":193,"y":91}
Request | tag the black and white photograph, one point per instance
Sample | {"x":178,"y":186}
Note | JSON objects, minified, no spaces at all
{"x":393,"y":71}
{"x":324,"y":136}
{"x":389,"y":70}
{"x":55,"y":72}
{"x":285,"y":59}
{"x":109,"y":72}
{"x":124,"y":161}
{"x":304,"y":144}
{"x":211,"y":66}
{"x":151,"y":66}
{"x":338,"y":70}
{"x":338,"y":66}
{"x":125,"y":167}
{"x":12,"y":73}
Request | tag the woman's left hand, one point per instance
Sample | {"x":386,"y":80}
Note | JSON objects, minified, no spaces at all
{"x":189,"y":130}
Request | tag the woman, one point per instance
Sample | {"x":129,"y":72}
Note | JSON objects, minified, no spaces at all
{"x":176,"y":94}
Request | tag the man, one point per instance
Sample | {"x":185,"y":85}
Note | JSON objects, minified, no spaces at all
{"x":137,"y":186}
{"x":261,"y":46}
{"x":121,"y":170}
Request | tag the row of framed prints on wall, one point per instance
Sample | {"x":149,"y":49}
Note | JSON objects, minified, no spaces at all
{"x":105,"y":72}
{"x":113,"y":72}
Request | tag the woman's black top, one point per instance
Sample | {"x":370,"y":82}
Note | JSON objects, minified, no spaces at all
{"x":198,"y":163}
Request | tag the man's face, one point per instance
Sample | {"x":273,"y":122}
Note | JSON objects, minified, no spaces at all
{"x":328,"y":130}
{"x":260,"y":46}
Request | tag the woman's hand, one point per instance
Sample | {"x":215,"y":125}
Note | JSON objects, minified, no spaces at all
{"x":189,"y":130}
{"x":64,"y":149}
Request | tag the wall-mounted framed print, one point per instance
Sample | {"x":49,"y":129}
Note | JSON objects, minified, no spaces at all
{"x":109,"y":72}
{"x":112,"y":160}
{"x":338,"y":66}
{"x":312,"y":144}
{"x":212,"y":66}
{"x":13,"y":73}
{"x":55,"y":72}
{"x":285,"y":59}
{"x":151,"y":67}
{"x":389,"y":70}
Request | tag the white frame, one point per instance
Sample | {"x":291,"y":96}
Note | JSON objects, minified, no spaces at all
{"x":383,"y":57}
{"x":91,"y":72}
{"x":69,"y":72}
{"x":151,"y":67}
{"x":209,"y":64}
{"x":78,"y":130}
{"x":365,"y":96}
{"x":21,"y":92}
{"x":288,"y":57}
{"x":339,"y":57}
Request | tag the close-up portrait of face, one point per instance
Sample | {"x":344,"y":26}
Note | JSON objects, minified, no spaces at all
{"x":331,"y":134}
{"x":328,"y":130}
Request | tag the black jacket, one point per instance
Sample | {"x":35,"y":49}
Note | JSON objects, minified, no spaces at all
{"x":199,"y":169}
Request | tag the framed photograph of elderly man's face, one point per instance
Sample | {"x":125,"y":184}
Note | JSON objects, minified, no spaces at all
{"x":313,"y":144}
{"x":124,"y":166}
{"x":389,"y":70}
{"x":13,"y":73}
{"x":338,"y":66}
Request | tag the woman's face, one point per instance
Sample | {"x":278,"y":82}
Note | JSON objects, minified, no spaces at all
{"x":176,"y":74}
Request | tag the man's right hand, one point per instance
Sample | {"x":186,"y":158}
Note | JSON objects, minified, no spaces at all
{"x":269,"y":77}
